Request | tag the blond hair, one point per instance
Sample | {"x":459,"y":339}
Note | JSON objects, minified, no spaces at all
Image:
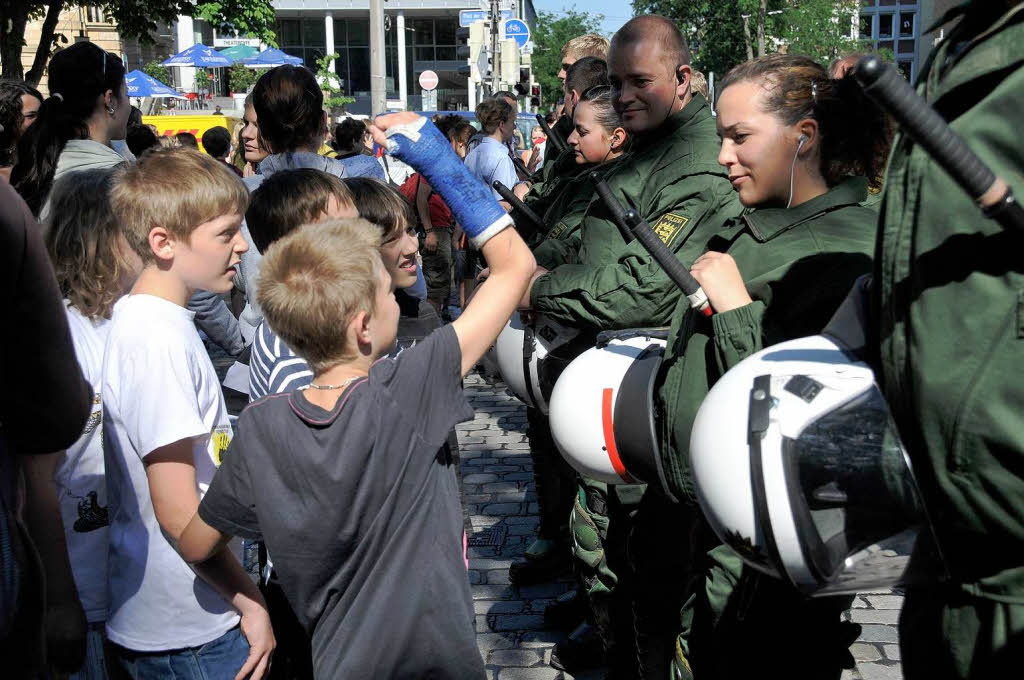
{"x":587,"y":45}
{"x":312,"y":283}
{"x":177,"y":190}
{"x":699,"y":83}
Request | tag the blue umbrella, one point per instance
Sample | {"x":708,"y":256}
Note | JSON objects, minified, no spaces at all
{"x":271,"y":57}
{"x":141,"y":85}
{"x":199,"y":55}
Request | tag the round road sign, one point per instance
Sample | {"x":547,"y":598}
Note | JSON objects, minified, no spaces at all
{"x":428,"y":80}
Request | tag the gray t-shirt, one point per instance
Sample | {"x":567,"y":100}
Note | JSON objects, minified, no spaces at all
{"x":359,"y":507}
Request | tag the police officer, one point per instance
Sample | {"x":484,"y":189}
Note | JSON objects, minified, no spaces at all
{"x":948,"y":309}
{"x":672,"y":179}
{"x":798,"y":147}
{"x":582,"y":75}
{"x":546,"y":558}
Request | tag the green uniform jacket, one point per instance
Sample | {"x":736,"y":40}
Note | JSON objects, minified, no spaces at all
{"x":673,"y":180}
{"x":565,"y":216}
{"x":949,"y":308}
{"x":798,"y":265}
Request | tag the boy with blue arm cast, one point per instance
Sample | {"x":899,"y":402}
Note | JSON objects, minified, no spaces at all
{"x":352,"y":461}
{"x":166,"y":428}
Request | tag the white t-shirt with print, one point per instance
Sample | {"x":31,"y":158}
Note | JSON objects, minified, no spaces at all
{"x":159,"y":387}
{"x":79,"y":477}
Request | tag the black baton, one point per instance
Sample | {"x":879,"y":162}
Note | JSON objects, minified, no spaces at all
{"x":673,"y":267}
{"x":519,"y":206}
{"x":551,"y":134}
{"x":884,"y":85}
{"x":618,"y":215}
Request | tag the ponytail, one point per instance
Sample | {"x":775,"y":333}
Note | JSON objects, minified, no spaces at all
{"x":855,"y":134}
{"x":79,"y":75}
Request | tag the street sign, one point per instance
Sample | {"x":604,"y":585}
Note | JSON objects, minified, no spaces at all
{"x":428,"y":80}
{"x":517,"y":30}
{"x":468,"y":16}
{"x":429,"y":102}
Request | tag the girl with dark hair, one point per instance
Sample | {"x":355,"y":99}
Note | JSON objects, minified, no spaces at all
{"x":598,"y":139}
{"x":87,"y":108}
{"x":489,"y":161}
{"x":352,"y":146}
{"x":292,"y":125}
{"x":800,"y":149}
{"x":19,"y":106}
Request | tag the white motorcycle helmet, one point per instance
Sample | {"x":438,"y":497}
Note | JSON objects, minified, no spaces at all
{"x":799,"y":468}
{"x":602,"y":409}
{"x":520,"y":350}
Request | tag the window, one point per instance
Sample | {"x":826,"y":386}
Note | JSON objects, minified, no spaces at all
{"x":358,"y":32}
{"x":289,"y":32}
{"x":907,"y":24}
{"x":314,"y":32}
{"x":422,"y":31}
{"x":891,"y":25}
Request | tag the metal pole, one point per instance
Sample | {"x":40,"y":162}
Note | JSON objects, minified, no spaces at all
{"x":403,"y":85}
{"x":495,"y":66}
{"x":378,"y":92}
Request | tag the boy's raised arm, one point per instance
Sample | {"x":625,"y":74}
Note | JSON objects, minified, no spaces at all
{"x":416,"y":141}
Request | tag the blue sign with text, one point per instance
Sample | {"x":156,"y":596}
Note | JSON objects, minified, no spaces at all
{"x":517,"y":29}
{"x":468,"y":16}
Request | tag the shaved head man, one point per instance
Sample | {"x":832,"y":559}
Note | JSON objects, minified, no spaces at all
{"x":649,"y":71}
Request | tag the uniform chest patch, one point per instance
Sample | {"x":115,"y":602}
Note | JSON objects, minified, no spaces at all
{"x":558,"y":230}
{"x":668,"y":227}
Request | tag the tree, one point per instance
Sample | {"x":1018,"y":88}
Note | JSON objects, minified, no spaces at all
{"x":241,"y":78}
{"x":334,"y":97}
{"x":135,"y":19}
{"x":821,"y":30}
{"x":723,"y":33}
{"x":155,"y":69}
{"x":553,"y":30}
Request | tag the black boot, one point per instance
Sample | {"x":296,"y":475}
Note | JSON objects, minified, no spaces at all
{"x":566,"y":611}
{"x":545,"y":561}
{"x":581,"y":651}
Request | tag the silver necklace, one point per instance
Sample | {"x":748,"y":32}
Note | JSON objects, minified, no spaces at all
{"x":335,"y":387}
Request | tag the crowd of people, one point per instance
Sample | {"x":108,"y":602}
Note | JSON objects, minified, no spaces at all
{"x":325,"y":261}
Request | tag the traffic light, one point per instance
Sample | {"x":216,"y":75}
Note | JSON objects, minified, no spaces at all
{"x":523,"y":86}
{"x":535,"y":95}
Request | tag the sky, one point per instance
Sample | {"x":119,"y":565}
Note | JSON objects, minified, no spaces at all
{"x":616,"y":12}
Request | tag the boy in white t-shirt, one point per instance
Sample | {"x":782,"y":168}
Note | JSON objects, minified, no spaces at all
{"x":166,"y":427}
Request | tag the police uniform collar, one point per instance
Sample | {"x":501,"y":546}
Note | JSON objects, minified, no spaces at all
{"x":690,"y":113}
{"x":767,"y":223}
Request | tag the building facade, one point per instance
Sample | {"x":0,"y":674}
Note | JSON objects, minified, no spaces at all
{"x":88,"y":22}
{"x":419,"y":36}
{"x":903,"y":29}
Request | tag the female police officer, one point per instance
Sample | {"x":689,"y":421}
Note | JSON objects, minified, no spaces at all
{"x":799,"y":148}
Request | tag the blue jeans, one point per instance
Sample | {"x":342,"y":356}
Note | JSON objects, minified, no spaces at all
{"x":219,"y":659}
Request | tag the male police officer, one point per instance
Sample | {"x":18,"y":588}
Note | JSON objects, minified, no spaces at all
{"x":673,"y":180}
{"x":948,"y":305}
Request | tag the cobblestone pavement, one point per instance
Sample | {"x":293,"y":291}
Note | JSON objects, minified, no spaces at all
{"x":498,"y":490}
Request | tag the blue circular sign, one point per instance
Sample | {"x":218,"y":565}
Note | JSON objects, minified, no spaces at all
{"x":518,"y":30}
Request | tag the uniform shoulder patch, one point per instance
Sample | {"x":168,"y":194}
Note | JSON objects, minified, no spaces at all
{"x":558,"y":230}
{"x":668,"y":227}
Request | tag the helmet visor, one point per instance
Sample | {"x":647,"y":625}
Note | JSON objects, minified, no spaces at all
{"x":856,"y":507}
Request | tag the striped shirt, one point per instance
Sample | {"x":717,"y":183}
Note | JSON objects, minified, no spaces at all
{"x":274,"y":367}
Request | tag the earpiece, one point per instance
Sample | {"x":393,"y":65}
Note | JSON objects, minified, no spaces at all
{"x":802,"y":140}
{"x":679,"y":77}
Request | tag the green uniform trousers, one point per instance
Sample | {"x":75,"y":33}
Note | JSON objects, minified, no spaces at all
{"x":601,"y":520}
